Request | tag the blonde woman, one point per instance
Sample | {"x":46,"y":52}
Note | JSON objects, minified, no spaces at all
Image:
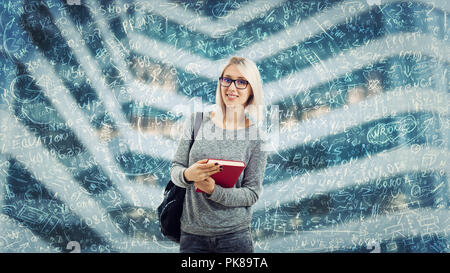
{"x":218,"y":219}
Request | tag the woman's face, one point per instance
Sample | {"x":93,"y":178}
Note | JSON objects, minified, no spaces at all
{"x":233,"y":96}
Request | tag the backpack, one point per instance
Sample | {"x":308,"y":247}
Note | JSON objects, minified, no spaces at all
{"x":170,"y":209}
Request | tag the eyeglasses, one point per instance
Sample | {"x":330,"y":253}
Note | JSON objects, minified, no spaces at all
{"x":240,"y":84}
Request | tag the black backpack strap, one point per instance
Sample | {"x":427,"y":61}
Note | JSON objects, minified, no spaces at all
{"x":198,"y":121}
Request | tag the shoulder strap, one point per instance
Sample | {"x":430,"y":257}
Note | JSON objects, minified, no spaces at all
{"x":198,"y":121}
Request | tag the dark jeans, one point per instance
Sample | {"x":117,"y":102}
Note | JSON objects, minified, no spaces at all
{"x":237,"y":242}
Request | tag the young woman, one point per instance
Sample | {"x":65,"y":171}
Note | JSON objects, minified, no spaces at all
{"x":218,"y":219}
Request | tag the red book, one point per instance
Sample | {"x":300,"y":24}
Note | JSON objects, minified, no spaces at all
{"x":229,"y":175}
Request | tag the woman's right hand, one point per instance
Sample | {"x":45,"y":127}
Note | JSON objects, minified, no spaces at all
{"x":200,"y":170}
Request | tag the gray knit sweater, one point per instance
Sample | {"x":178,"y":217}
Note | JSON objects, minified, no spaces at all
{"x":226,"y":210}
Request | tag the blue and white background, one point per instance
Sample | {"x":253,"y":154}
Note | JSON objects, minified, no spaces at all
{"x":93,"y":95}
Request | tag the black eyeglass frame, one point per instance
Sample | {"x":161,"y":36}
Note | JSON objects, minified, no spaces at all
{"x":233,"y":81}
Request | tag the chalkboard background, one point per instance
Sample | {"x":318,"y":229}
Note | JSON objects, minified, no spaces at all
{"x":93,"y":95}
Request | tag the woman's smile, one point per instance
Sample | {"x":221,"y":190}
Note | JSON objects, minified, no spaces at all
{"x":231,"y":97}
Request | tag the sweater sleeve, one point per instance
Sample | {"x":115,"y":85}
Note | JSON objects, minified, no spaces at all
{"x":251,"y":187}
{"x":180,"y":160}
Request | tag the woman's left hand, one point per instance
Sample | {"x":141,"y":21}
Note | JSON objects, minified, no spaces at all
{"x":206,"y":185}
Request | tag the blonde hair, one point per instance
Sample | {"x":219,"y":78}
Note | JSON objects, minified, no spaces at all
{"x":255,"y":103}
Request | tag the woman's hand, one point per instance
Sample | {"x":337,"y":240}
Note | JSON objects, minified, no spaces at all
{"x":206,"y":185}
{"x":199,"y":171}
